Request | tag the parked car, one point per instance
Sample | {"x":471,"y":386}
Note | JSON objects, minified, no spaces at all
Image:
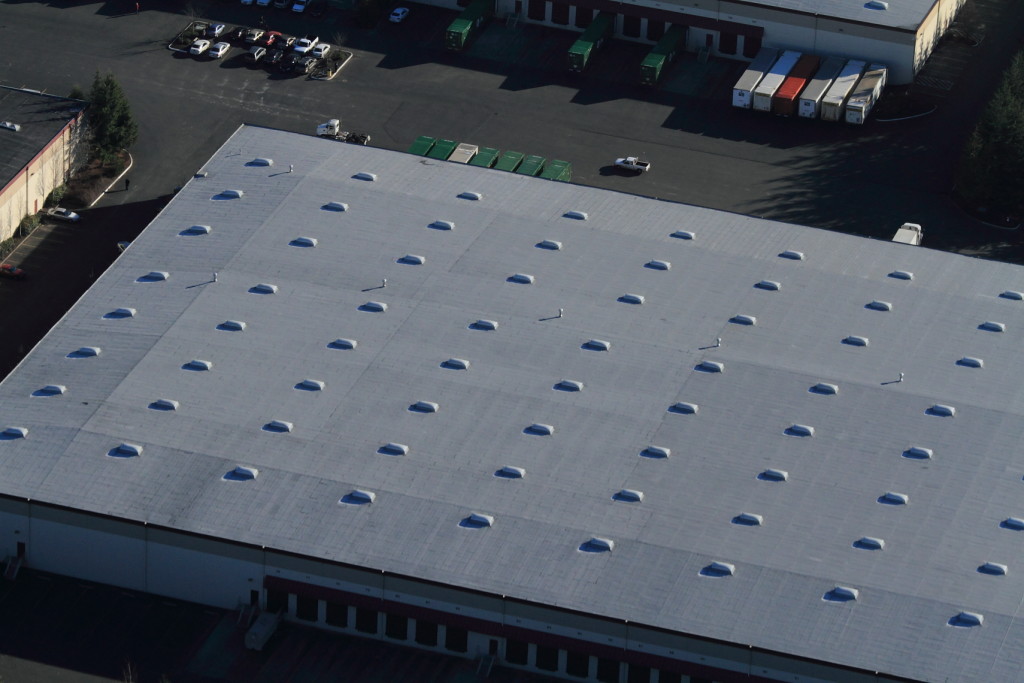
{"x":289,"y":61}
{"x":7,"y":270}
{"x":215,"y":30}
{"x":246,"y":2}
{"x":321,"y":51}
{"x":61,"y":214}
{"x":285,"y":42}
{"x":300,"y":6}
{"x":317,"y":8}
{"x":262,"y":3}
{"x":398,"y":15}
{"x":274,"y":57}
{"x":268,"y":39}
{"x":304,"y":45}
{"x":237,"y":34}
{"x":255,"y":54}
{"x":308,"y":64}
{"x":200,"y":46}
{"x":281,"y":4}
{"x":219,"y":50}
{"x":253,"y":34}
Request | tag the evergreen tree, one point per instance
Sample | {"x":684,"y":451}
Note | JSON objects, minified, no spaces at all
{"x":110,"y":118}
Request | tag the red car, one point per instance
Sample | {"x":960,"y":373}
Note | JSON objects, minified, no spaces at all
{"x":7,"y":270}
{"x":269,"y":39}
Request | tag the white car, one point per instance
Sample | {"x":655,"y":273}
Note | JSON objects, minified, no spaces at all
{"x":61,"y":214}
{"x":304,"y":45}
{"x":300,"y":5}
{"x":263,"y":3}
{"x":634,"y":164}
{"x":215,"y":30}
{"x":199,"y":47}
{"x":321,"y":51}
{"x":219,"y":50}
{"x":246,"y":2}
{"x":399,"y":15}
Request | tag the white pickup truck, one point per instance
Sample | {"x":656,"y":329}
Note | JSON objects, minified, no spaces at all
{"x":633,"y":164}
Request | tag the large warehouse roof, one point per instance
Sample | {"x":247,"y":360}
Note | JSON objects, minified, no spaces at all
{"x":31,"y":119}
{"x":900,"y":14}
{"x":266,"y":340}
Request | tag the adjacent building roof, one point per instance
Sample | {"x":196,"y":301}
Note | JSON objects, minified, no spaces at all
{"x":899,"y":14}
{"x":756,"y":432}
{"x":35,"y":119}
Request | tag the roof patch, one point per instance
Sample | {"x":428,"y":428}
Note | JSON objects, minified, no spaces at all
{"x":993,"y":568}
{"x":412,"y":260}
{"x":773,"y":475}
{"x":568,"y":385}
{"x":228,"y":194}
{"x":684,"y":408}
{"x":306,"y":242}
{"x":471,"y":196}
{"x":424,"y":407}
{"x":658,"y":265}
{"x":841,"y":594}
{"x":877,"y":305}
{"x":901,"y":275}
{"x":550,"y":245}
{"x":164,"y":404}
{"x":971,"y":362}
{"x":1015,"y":523}
{"x":232,"y":326}
{"x":50,"y":390}
{"x":335,"y":206}
{"x":197,"y":365}
{"x":918,"y":453}
{"x":657,"y":452}
{"x":576,"y":215}
{"x":242,"y":473}
{"x":769,"y":285}
{"x":120,"y":314}
{"x":1012,"y":295}
{"x":598,"y":545}
{"x":743,"y":320}
{"x":718,"y":570}
{"x":261,"y":161}
{"x":263,"y":288}
{"x":358,"y":497}
{"x":484,"y":325}
{"x":85,"y":352}
{"x":632,"y":298}
{"x":596,"y":345}
{"x":893,"y":498}
{"x":374,"y":307}
{"x":368,"y":177}
{"x":311,"y":385}
{"x":154,"y":276}
{"x":990,"y":326}
{"x":629,"y":496}
{"x":11,"y":433}
{"x":966,"y":620}
{"x":748,"y":519}
{"x":510,"y":472}
{"x":800,"y":430}
{"x":521,"y":279}
{"x":854,"y":340}
{"x":125,"y":450}
{"x":442,"y":225}
{"x":456,"y":364}
{"x":540,"y":429}
{"x":477,"y":520}
{"x":869,"y":543}
{"x":195,"y":231}
{"x":825,"y":389}
{"x":345,"y":344}
{"x":710,"y":366}
{"x":392,"y":448}
{"x":279,"y":426}
{"x":683,"y":235}
{"x":792,"y":255}
{"x":940,"y":410}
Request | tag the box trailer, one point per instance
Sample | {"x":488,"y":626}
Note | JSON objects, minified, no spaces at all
{"x":509,"y":161}
{"x":866,"y":94}
{"x":557,"y":170}
{"x":909,"y":233}
{"x":662,"y":54}
{"x":485,"y":158}
{"x":464,"y":26}
{"x":422,"y":145}
{"x":784,"y":101}
{"x":810,"y":98}
{"x":772,"y":81}
{"x":463,"y":153}
{"x":834,"y":102}
{"x":532,"y":165}
{"x":741,"y":92}
{"x":442,"y":149}
{"x":591,"y":41}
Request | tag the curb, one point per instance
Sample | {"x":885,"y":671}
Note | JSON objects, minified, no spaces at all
{"x":908,"y":118}
{"x":131,"y":162}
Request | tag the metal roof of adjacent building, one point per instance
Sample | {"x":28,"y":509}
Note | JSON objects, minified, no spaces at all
{"x":39,"y":118}
{"x":682,"y":417}
{"x":905,"y":15}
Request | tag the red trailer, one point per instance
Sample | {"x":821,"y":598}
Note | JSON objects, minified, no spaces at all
{"x":784,"y":101}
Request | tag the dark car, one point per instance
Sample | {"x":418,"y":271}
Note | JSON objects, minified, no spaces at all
{"x":274,"y":57}
{"x":287,"y":64}
{"x":308,"y":64}
{"x":7,"y":270}
{"x":237,"y":35}
{"x":284,"y":42}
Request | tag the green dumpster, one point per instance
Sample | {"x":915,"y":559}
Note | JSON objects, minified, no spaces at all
{"x":558,"y":170}
{"x":509,"y":161}
{"x":422,"y":145}
{"x":442,"y":149}
{"x":532,"y":165}
{"x":485,"y":157}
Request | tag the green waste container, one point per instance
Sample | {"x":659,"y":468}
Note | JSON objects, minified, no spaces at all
{"x":532,"y":165}
{"x":485,"y":157}
{"x":558,"y":170}
{"x":509,"y":161}
{"x":442,"y":149}
{"x":422,"y":145}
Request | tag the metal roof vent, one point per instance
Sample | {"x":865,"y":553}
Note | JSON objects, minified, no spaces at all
{"x":242,"y":473}
{"x":710,"y":366}
{"x":442,"y":225}
{"x":232,"y":326}
{"x":718,"y":570}
{"x":769,"y":285}
{"x":918,"y":453}
{"x":792,"y":255}
{"x":521,"y":279}
{"x":510,"y":472}
{"x":598,"y":545}
{"x":121,"y":313}
{"x":51,"y":390}
{"x":10,"y":433}
{"x":1011,"y":294}
{"x":684,"y":408}
{"x":825,"y":389}
{"x":424,"y":407}
{"x":629,"y":496}
{"x":841,"y":594}
{"x":683,"y":235}
{"x":967,"y":620}
{"x":993,"y":568}
{"x":748,"y":519}
{"x":971,"y":362}
{"x":345,"y":344}
{"x":576,"y":215}
{"x":263,"y":288}
{"x":990,"y":326}
{"x":471,"y":196}
{"x":368,"y":177}
{"x":550,"y":245}
{"x":261,"y":161}
{"x":901,"y":275}
{"x":658,"y":265}
{"x":335,"y":206}
{"x":568,"y":385}
{"x":800,"y":430}
{"x":485,"y":325}
{"x":392,"y":448}
{"x":597,"y":345}
{"x":374,"y":307}
{"x":154,"y":276}
{"x":854,"y":340}
{"x":16,"y":127}
{"x":358,"y":497}
{"x":195,"y":231}
{"x":164,"y":404}
{"x":229,"y":194}
{"x":86,"y":352}
{"x":1015,"y":523}
{"x":876,"y":4}
{"x":773,"y":475}
{"x":197,"y":365}
{"x":743,"y":320}
{"x":412,"y":260}
{"x":892,"y":498}
{"x":632,"y":298}
{"x":540,"y":429}
{"x":869,"y":543}
{"x":279,"y":426}
{"x":877,"y":305}
{"x":311,"y":385}
{"x":940,"y":410}
{"x":456,"y":364}
{"x":658,"y":452}
{"x":477,"y":520}
{"x":126,"y":450}
{"x":308,"y":242}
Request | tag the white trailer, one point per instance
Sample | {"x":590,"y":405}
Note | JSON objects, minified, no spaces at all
{"x":834,"y":102}
{"x":765,"y":90}
{"x":464,"y":153}
{"x":810,"y":98}
{"x":741,"y":92}
{"x":909,"y":233}
{"x":866,"y":94}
